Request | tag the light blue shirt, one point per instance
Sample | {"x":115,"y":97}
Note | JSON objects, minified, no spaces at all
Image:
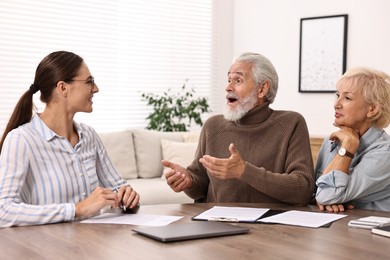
{"x":42,"y":176}
{"x":368,"y":184}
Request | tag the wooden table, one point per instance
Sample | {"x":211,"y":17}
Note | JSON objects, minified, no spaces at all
{"x":265,"y":241}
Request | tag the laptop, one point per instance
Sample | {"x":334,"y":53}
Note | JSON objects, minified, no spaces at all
{"x":192,"y":230}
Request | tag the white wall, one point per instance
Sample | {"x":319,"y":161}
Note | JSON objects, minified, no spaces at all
{"x":223,"y":27}
{"x":272,"y":28}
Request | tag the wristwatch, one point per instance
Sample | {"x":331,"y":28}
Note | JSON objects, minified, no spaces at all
{"x":343,"y":152}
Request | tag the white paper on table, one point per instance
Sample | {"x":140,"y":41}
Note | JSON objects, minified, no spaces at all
{"x":303,"y":218}
{"x":132,"y":219}
{"x":238,"y":214}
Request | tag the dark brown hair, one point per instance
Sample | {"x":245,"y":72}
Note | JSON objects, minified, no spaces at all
{"x":55,"y":67}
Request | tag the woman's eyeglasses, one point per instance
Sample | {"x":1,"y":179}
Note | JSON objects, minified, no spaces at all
{"x":90,"y":82}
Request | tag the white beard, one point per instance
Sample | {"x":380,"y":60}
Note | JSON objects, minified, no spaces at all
{"x":243,"y":108}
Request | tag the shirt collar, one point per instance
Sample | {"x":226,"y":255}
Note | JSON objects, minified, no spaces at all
{"x":369,"y":137}
{"x":48,"y":134}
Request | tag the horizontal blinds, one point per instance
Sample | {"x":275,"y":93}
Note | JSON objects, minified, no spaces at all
{"x":130,"y":47}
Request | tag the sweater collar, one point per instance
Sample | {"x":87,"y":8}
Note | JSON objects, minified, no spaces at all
{"x":257,"y":115}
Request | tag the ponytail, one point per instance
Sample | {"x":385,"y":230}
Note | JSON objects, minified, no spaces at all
{"x":57,"y":66}
{"x":22,"y":113}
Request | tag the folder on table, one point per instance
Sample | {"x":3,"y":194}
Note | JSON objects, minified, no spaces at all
{"x":311,"y":219}
{"x":383,"y":230}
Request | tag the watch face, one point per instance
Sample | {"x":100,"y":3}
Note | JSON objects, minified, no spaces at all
{"x":342,"y":151}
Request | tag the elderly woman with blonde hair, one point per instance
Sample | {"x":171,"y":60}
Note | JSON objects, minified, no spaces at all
{"x":353,"y":166}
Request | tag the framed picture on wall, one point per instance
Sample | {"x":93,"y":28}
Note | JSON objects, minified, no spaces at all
{"x":322,"y":52}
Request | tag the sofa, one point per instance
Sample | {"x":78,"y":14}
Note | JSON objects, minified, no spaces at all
{"x":137,"y":155}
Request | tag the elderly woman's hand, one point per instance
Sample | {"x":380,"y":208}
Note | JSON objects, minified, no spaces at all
{"x":335,"y":207}
{"x":349,"y":138}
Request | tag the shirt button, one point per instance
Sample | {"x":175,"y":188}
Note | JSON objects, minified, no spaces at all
{"x":81,"y":175}
{"x":84,"y":194}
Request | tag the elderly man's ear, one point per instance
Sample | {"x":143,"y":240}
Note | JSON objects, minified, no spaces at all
{"x":263,"y":90}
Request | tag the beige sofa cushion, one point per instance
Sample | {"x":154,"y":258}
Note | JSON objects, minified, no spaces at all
{"x":120,"y":149}
{"x":191,"y":137}
{"x":157,"y":191}
{"x":148,"y":150}
{"x":181,"y":153}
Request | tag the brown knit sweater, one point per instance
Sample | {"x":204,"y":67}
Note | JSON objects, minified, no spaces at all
{"x":276,"y":148}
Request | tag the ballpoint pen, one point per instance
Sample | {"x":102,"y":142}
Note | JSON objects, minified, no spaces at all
{"x":123,"y":204}
{"x":223,"y":219}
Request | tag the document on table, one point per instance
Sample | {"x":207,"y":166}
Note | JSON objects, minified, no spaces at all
{"x":231,"y":214}
{"x":132,"y":219}
{"x":303,"y":218}
{"x":259,"y":215}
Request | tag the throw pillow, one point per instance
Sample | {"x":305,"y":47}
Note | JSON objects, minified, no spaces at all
{"x":191,"y":137}
{"x":147,"y":145}
{"x":181,"y":153}
{"x":120,"y":149}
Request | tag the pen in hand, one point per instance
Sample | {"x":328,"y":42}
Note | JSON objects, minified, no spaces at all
{"x":122,"y":203}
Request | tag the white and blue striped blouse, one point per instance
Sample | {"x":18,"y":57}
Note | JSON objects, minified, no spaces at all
{"x":42,"y":176}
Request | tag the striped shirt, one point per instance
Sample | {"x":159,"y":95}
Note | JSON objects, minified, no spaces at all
{"x":42,"y":176}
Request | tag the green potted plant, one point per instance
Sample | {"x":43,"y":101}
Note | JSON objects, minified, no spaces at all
{"x":175,"y":112}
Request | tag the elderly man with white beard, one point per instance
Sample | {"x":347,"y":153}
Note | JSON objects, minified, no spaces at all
{"x":252,"y":153}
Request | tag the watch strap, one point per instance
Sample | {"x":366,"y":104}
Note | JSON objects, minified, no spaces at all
{"x":344,"y":152}
{"x":350,"y":155}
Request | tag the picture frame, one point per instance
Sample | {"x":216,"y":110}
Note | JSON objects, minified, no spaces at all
{"x":322,"y":52}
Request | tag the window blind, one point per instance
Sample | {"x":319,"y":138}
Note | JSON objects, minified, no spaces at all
{"x":130,"y":46}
